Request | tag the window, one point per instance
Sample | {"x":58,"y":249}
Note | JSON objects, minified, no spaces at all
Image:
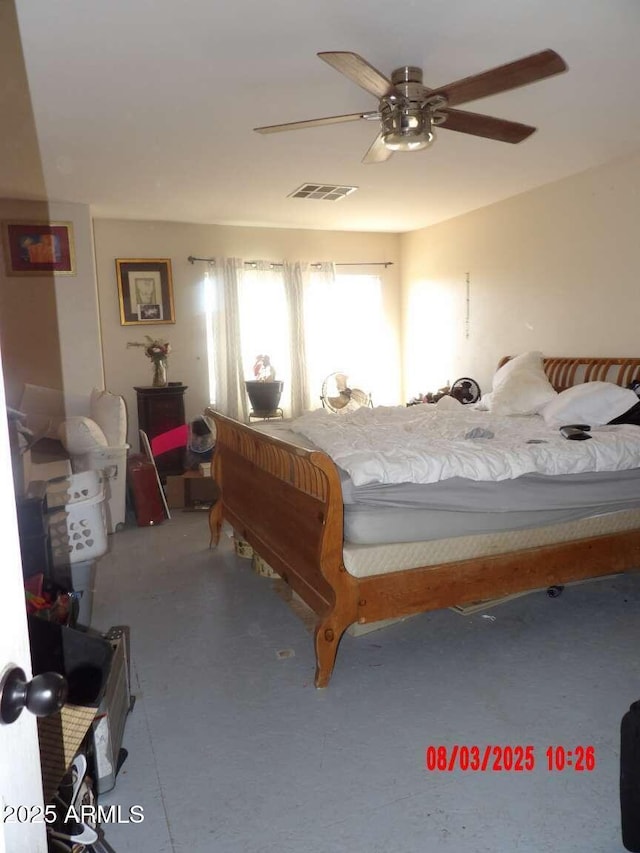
{"x":264,"y":324}
{"x":344,"y":329}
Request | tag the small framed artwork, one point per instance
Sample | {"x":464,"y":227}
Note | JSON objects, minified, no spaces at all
{"x":39,"y":248}
{"x":145,"y":291}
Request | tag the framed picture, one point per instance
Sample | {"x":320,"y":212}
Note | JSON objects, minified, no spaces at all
{"x":145,"y":291}
{"x":39,"y":248}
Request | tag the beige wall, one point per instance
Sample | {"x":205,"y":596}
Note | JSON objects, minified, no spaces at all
{"x":28,"y":318}
{"x":78,"y":318}
{"x":125,"y":368}
{"x":554,"y":269}
{"x":49,"y":324}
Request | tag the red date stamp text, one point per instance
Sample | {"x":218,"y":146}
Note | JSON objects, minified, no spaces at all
{"x":506,"y":758}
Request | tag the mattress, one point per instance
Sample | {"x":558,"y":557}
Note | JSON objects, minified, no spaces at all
{"x":378,"y":513}
{"x":368,"y":560}
{"x":383,"y":525}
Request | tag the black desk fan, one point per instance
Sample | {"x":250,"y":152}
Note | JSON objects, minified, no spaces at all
{"x":465,"y":390}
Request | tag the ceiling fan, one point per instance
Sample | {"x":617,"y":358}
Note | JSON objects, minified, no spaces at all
{"x":408,"y":111}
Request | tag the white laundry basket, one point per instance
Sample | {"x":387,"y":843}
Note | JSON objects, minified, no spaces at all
{"x":71,"y":488}
{"x":78,"y":531}
{"x":112,"y":461}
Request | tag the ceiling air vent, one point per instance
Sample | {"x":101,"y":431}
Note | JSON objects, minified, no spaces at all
{"x":328,"y":192}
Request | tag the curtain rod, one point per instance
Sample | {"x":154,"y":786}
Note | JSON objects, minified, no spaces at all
{"x":384,"y":264}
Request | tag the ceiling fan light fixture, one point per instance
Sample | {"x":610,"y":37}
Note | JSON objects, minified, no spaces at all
{"x":406,"y":128}
{"x":405,"y":142}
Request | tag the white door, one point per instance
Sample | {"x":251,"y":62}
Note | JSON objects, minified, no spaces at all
{"x":20,"y":780}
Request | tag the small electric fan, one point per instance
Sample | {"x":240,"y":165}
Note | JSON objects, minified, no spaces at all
{"x":337,"y":396}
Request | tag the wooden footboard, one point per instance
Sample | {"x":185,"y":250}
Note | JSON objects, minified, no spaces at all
{"x":287,"y":503}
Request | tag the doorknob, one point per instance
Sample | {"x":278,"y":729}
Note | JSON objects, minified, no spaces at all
{"x":43,"y":695}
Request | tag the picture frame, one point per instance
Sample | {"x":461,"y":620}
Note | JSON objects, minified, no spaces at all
{"x":145,"y":291}
{"x":38,"y":248}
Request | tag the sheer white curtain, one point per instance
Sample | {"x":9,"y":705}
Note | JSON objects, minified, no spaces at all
{"x":296,"y":279}
{"x":226,"y":377}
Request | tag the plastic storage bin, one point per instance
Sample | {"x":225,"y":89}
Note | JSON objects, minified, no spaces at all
{"x":112,"y":461}
{"x":78,"y":532}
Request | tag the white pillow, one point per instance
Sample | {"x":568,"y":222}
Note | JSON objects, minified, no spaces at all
{"x":81,"y":435}
{"x":520,"y":387}
{"x":592,"y":403}
{"x":109,"y":412}
{"x":448,"y":402}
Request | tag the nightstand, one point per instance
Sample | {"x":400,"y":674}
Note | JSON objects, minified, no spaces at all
{"x":160,"y":410}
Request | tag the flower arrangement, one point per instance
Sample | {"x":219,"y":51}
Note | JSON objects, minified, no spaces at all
{"x":157,"y":351}
{"x":263,"y":370}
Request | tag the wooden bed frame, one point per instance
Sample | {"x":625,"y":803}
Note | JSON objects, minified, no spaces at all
{"x":287,"y":503}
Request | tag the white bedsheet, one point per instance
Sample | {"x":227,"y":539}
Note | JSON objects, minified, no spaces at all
{"x":425,"y":444}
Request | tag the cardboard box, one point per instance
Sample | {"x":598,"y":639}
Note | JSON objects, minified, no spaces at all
{"x":190,"y":490}
{"x":174,"y":491}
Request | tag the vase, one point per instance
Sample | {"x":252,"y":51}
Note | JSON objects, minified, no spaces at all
{"x":264,"y":396}
{"x":159,"y":373}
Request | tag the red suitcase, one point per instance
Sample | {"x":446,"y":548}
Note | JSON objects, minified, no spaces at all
{"x":145,"y":491}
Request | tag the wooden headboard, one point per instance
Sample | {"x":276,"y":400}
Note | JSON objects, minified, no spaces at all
{"x":566,"y":371}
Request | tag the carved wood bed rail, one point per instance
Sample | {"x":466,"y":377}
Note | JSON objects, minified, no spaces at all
{"x":287,"y":503}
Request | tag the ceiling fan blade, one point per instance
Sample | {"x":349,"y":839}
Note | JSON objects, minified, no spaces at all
{"x":359,"y":70}
{"x":314,"y":122}
{"x":378,"y":151}
{"x":504,"y":77}
{"x":491,"y":128}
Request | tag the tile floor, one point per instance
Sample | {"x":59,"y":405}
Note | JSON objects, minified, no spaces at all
{"x":233,"y":750}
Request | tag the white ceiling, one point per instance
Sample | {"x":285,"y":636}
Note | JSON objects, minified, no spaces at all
{"x":144,"y":109}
